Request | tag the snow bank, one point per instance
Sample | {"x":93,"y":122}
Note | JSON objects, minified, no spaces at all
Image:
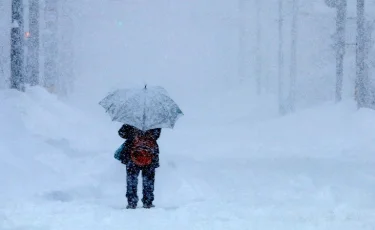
{"x":54,"y":151}
{"x":23,"y":162}
{"x":238,"y":165}
{"x":329,"y":130}
{"x":42,"y":141}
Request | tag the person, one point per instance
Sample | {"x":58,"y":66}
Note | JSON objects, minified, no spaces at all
{"x":129,"y":133}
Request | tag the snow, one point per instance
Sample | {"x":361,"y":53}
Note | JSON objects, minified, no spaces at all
{"x":230,"y":163}
{"x":308,"y":170}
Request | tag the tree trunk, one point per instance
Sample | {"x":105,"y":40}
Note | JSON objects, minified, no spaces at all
{"x":50,"y":45}
{"x":293,"y":58}
{"x":2,"y":53}
{"x":33,"y":44}
{"x":17,"y":43}
{"x":258,"y":49}
{"x":66,"y":44}
{"x":340,"y":47}
{"x":361,"y":79}
{"x":281,"y":60}
{"x":242,"y":42}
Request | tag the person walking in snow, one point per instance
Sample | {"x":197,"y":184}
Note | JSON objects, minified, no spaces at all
{"x":140,"y":153}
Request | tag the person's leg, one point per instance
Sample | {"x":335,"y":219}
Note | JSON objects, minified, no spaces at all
{"x":132,"y":173}
{"x":148,"y":178}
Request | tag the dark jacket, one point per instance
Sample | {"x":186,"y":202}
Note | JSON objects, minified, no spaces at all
{"x":128,"y":132}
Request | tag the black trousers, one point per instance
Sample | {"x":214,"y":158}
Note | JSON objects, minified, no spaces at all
{"x":148,"y":179}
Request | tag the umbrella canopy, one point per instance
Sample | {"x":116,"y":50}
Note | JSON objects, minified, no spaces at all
{"x":145,"y":109}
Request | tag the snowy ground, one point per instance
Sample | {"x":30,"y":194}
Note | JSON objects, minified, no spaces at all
{"x":310,"y":170}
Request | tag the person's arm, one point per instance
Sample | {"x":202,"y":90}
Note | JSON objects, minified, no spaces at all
{"x":125,"y":131}
{"x":154,"y":133}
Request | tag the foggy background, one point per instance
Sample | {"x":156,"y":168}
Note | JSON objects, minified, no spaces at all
{"x":192,"y":48}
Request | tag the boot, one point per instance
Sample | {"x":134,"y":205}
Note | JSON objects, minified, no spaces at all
{"x":148,"y":206}
{"x":131,"y":206}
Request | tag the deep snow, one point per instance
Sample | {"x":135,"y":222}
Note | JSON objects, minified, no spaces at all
{"x":309,"y":170}
{"x":230,"y":163}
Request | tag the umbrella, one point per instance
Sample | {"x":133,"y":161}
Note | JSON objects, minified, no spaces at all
{"x":145,"y":108}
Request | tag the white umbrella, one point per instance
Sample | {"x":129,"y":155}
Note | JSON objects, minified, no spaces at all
{"x":145,"y":109}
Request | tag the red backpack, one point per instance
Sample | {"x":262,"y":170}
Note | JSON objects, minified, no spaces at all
{"x":142,"y":150}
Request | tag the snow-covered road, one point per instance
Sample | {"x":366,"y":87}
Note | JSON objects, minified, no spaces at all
{"x":236,"y":194}
{"x":65,"y":177}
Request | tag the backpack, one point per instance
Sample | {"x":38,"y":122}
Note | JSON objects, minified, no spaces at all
{"x":118,"y":152}
{"x":142,"y":150}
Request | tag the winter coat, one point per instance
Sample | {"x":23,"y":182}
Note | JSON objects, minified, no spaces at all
{"x":128,"y":132}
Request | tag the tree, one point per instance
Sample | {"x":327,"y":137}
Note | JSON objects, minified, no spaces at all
{"x":17,"y":42}
{"x":2,"y":51}
{"x":341,"y":7}
{"x":241,"y":41}
{"x":258,"y":48}
{"x":332,"y":3}
{"x":50,"y":45}
{"x":293,"y":57}
{"x":361,"y":83}
{"x":281,"y":60}
{"x":66,"y":58}
{"x":33,"y":44}
{"x":2,"y":72}
{"x":340,"y":47}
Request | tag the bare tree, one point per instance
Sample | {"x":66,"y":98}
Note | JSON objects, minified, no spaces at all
{"x":281,"y":60}
{"x":33,"y":44}
{"x":3,"y":54}
{"x":241,"y":41}
{"x":293,"y":57}
{"x":2,"y":72}
{"x":66,"y":58}
{"x":17,"y":46}
{"x":340,"y":47}
{"x":50,"y":45}
{"x":258,"y":48}
{"x":340,"y":43}
{"x":361,"y":84}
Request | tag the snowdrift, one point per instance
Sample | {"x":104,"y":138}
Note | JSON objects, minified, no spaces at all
{"x":249,"y":170}
{"x":53,"y":151}
{"x":42,"y":143}
{"x":254,"y":129}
